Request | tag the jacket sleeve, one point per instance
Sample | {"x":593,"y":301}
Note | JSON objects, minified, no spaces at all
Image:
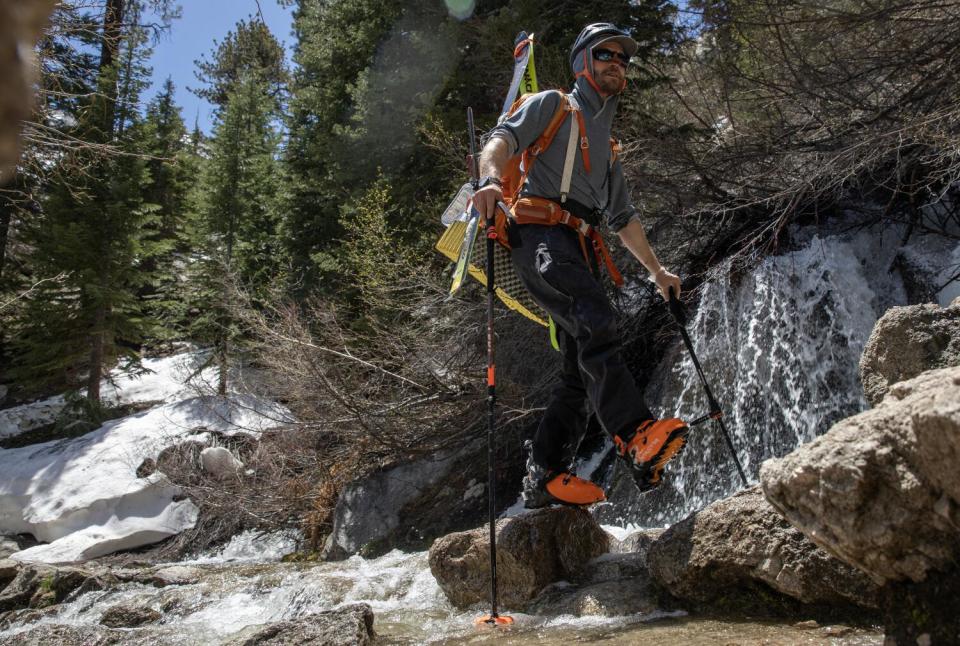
{"x":620,"y":209}
{"x":523,"y":127}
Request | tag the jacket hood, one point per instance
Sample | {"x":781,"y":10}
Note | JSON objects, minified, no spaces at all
{"x":586,"y":84}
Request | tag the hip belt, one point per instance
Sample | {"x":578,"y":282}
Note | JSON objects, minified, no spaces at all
{"x":538,"y":210}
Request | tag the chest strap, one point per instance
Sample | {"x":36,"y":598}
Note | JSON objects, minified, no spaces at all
{"x":537,"y":210}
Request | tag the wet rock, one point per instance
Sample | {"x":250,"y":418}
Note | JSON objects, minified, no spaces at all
{"x":8,"y":570}
{"x":129,"y":616}
{"x":907,"y":341}
{"x":22,"y":588}
{"x":739,"y":555}
{"x":610,"y":585}
{"x":533,"y":551}
{"x":66,"y":635}
{"x":347,"y":626}
{"x":637,"y":542}
{"x":175,"y":575}
{"x":219,"y":462}
{"x":880,"y":489}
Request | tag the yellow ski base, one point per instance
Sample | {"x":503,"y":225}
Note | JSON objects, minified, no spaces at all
{"x":508,"y":288}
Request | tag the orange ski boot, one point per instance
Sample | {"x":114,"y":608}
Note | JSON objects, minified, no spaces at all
{"x":655,"y":443}
{"x":542,"y":488}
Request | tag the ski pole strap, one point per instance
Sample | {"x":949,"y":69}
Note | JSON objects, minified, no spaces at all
{"x":538,"y":210}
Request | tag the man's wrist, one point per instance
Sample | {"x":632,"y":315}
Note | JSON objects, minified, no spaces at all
{"x":661,"y":270}
{"x":487,"y":180}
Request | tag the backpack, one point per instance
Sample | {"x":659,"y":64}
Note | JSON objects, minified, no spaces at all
{"x":518,"y":167}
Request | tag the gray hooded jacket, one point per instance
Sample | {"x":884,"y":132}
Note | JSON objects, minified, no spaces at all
{"x":523,"y":128}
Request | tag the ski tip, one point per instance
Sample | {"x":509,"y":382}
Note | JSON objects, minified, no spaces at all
{"x":522,"y":36}
{"x":493,"y":621}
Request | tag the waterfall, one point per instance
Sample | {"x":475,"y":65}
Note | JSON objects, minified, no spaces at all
{"x":780,"y":346}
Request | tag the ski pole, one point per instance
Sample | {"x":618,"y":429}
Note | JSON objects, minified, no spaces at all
{"x":716,"y":414}
{"x":493,"y":619}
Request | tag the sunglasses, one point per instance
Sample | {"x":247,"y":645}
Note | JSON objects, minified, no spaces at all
{"x":607,"y":55}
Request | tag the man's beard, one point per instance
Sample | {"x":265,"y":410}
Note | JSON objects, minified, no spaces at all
{"x":610,"y":84}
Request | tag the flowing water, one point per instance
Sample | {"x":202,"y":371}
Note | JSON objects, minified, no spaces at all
{"x":780,"y":346}
{"x":233,"y":595}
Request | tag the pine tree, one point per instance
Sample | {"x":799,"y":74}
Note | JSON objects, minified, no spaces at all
{"x":237,"y":213}
{"x":89,"y":230}
{"x":173,"y":166}
{"x":336,"y":42}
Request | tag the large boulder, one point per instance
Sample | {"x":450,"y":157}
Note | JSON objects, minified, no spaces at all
{"x":533,"y":551}
{"x":347,"y":626}
{"x":739,"y":554}
{"x":907,"y":341}
{"x":881,"y":489}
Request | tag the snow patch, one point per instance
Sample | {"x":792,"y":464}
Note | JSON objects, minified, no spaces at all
{"x":82,"y":495}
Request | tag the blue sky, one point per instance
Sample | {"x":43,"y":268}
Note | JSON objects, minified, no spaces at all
{"x":193,"y":35}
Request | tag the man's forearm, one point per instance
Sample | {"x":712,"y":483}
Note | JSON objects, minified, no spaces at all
{"x":634,"y":238}
{"x":494,"y":157}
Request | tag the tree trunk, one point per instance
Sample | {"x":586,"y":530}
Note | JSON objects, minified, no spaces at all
{"x":96,"y":354}
{"x":109,"y":46}
{"x":107,"y":82}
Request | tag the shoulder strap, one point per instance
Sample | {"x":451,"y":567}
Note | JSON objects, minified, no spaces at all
{"x":572,"y":143}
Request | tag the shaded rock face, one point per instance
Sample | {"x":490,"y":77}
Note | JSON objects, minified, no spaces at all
{"x":347,"y":626}
{"x":533,"y":551}
{"x":129,"y":616}
{"x":881,"y":489}
{"x":739,"y":554}
{"x":408,"y":505}
{"x":907,"y":341}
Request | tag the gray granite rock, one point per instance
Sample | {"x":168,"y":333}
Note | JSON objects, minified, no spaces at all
{"x":881,"y":490}
{"x":907,"y":341}
{"x":533,"y":551}
{"x":741,"y":554}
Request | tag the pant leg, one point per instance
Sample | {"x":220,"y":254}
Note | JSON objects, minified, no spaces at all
{"x":550,"y":263}
{"x":564,"y":423}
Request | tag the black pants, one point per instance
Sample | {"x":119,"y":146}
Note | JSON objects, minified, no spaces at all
{"x":549,"y":262}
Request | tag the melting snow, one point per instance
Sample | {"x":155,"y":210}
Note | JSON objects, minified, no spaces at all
{"x":82,"y":495}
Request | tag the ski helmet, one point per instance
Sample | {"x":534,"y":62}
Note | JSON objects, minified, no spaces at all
{"x":599,"y":32}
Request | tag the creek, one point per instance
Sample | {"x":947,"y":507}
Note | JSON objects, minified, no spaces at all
{"x":231,"y":594}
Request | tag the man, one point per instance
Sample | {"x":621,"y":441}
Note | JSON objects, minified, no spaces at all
{"x":559,"y":266}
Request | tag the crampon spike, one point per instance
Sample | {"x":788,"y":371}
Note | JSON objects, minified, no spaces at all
{"x":493,"y":620}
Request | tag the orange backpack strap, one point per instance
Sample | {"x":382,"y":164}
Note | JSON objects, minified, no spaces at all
{"x":546,"y":138}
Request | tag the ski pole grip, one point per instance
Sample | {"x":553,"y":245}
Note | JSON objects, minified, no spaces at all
{"x":676,"y":307}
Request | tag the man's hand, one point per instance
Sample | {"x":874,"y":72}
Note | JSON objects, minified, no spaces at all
{"x":665,"y":280}
{"x":485,"y":200}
